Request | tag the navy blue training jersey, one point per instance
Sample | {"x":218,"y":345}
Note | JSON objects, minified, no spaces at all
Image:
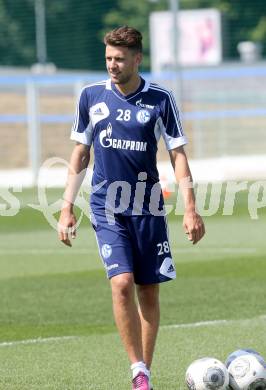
{"x":124,"y":131}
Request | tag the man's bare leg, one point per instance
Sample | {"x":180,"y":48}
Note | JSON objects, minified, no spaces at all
{"x":126,"y":315}
{"x":149,"y":312}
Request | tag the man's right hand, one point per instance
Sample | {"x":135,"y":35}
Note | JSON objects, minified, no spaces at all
{"x":66,"y":227}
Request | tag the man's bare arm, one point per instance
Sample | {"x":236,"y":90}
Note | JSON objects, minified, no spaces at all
{"x":79,"y":161}
{"x":192,"y":222}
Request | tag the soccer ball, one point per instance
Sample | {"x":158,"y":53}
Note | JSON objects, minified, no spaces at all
{"x":240,"y":352}
{"x":207,"y":374}
{"x":247,"y":371}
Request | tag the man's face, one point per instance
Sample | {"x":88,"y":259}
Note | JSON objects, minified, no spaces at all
{"x":121,"y":63}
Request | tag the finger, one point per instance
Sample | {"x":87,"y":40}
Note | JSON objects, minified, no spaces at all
{"x":185,"y":228}
{"x":196,"y":236}
{"x":191,"y":235}
{"x":199,"y":233}
{"x":73,"y":232}
{"x":67,"y":242}
{"x":61,"y":230}
{"x":65,"y":238}
{"x":60,"y":235}
{"x":202,"y":231}
{"x":65,"y":235}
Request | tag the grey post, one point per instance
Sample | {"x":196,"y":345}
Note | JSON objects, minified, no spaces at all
{"x":34,"y":137}
{"x":40,"y":31}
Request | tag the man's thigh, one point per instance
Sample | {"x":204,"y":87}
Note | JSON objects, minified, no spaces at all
{"x":152,"y":259}
{"x":114,"y":244}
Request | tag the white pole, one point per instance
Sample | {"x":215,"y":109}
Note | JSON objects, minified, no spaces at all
{"x":34,"y":137}
{"x":40,"y":31}
{"x":174,"y":8}
{"x":174,"y":12}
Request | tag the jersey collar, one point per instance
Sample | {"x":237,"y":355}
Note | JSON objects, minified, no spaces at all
{"x":143,"y":87}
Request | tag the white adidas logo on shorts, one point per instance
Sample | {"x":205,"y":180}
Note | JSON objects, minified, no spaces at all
{"x":167,"y":268}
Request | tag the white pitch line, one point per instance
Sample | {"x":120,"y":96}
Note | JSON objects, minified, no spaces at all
{"x":41,"y":340}
{"x":211,"y":323}
{"x":195,"y":324}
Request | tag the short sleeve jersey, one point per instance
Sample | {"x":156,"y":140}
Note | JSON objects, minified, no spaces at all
{"x":124,"y":131}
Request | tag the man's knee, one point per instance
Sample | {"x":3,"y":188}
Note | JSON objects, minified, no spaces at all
{"x":148,"y":294}
{"x":122,"y":286}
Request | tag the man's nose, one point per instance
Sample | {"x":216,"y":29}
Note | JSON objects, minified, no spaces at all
{"x":113,"y":64}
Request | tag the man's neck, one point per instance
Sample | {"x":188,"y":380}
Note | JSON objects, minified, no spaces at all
{"x":130,"y":87}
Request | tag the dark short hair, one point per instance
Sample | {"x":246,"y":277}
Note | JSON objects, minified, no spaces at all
{"x":126,"y":37}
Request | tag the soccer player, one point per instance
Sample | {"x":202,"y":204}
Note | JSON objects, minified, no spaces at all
{"x":123,"y":118}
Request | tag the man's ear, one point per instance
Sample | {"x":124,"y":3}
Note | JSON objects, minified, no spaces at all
{"x":139,"y":58}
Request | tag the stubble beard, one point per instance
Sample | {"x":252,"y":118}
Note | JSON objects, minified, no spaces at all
{"x":123,"y":80}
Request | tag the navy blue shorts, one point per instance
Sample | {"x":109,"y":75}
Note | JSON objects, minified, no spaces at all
{"x":137,"y":244}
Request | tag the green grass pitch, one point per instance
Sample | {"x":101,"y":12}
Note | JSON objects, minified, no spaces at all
{"x":56,"y":325}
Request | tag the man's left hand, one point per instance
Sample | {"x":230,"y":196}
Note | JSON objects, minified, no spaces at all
{"x":194,"y":226}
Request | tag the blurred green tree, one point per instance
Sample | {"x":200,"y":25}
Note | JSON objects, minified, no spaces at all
{"x":243,"y":20}
{"x":136,"y":14}
{"x":17,"y":32}
{"x":75,"y":29}
{"x":73,"y":33}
